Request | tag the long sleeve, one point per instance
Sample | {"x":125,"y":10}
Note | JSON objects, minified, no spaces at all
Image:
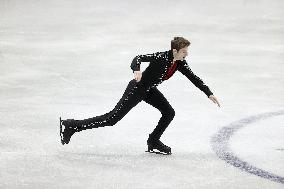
{"x":135,"y":64}
{"x":185,"y":70}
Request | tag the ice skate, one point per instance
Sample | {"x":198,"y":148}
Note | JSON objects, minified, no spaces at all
{"x":158,"y":145}
{"x":67,"y":129}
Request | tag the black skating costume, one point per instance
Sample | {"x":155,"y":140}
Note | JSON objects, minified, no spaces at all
{"x":161,"y":68}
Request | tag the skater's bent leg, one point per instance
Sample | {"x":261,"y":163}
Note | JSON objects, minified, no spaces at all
{"x":129,"y":99}
{"x":157,"y":100}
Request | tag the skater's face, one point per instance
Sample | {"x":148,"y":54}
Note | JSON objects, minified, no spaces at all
{"x":181,"y":54}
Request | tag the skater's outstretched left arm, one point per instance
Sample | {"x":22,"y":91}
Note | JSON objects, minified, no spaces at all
{"x":185,"y":70}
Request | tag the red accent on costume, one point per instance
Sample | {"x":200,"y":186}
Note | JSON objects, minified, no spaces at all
{"x":170,"y":71}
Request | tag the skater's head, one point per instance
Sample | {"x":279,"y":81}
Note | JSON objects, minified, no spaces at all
{"x":179,"y":46}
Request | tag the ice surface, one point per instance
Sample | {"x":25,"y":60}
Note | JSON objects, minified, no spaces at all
{"x":72,"y":59}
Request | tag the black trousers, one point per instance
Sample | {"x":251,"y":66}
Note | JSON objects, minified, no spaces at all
{"x":132,"y":95}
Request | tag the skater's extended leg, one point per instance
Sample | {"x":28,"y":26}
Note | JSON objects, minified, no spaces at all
{"x":129,"y":99}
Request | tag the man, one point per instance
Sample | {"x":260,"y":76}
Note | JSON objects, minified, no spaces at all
{"x":144,"y":87}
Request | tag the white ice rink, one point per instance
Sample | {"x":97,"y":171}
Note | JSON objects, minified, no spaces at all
{"x":72,"y":59}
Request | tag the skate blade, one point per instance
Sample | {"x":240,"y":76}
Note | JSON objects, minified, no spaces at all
{"x":162,"y":153}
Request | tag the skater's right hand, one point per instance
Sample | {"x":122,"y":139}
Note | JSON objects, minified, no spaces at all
{"x":137,"y":75}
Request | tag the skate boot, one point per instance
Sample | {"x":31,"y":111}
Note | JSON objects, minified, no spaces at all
{"x":67,"y":129}
{"x":158,"y":145}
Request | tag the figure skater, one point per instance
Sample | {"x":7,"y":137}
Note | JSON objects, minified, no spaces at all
{"x":144,"y":87}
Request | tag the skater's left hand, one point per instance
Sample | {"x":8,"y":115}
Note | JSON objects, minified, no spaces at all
{"x":214,"y":99}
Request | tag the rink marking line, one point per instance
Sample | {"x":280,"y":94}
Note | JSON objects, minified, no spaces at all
{"x":220,"y":145}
